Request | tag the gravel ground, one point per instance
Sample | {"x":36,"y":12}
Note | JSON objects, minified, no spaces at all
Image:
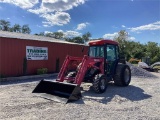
{"x":139,"y":101}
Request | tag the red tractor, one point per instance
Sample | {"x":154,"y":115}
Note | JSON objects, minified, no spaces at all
{"x":102,"y":65}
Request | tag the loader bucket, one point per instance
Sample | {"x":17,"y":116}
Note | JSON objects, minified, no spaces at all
{"x":58,"y":91}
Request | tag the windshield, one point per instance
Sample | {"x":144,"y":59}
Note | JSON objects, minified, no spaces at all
{"x":96,"y":51}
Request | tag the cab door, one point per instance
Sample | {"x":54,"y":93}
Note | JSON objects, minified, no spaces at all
{"x":111,"y":59}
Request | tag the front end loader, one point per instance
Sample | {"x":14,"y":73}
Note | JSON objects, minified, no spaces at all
{"x":101,"y":65}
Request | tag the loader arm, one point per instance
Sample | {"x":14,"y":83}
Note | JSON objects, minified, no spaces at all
{"x":63,"y":69}
{"x":84,"y":67}
{"x":85,"y":61}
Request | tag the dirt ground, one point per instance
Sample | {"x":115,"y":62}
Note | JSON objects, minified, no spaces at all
{"x":139,"y":101}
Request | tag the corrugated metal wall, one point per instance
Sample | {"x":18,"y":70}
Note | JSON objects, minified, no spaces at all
{"x":13,"y":51}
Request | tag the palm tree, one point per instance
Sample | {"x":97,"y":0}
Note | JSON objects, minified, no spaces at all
{"x":17,"y":28}
{"x":26,"y":29}
{"x":4,"y":25}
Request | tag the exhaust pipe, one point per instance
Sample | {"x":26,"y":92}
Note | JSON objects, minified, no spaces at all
{"x":58,"y":91}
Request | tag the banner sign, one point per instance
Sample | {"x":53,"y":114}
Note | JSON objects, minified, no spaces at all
{"x":36,"y":53}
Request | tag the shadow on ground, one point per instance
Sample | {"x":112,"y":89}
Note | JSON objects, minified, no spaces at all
{"x":116,"y":93}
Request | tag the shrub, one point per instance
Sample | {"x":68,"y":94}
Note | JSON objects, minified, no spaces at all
{"x":42,"y":71}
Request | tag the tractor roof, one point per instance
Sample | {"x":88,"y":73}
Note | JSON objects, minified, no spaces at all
{"x":102,"y":42}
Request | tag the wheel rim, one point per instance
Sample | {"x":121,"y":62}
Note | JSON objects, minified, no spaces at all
{"x":102,"y":85}
{"x":127,"y":76}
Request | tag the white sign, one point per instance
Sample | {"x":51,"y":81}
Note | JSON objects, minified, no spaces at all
{"x":36,"y":53}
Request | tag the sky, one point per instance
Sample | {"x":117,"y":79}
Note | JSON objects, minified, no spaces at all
{"x":102,"y":18}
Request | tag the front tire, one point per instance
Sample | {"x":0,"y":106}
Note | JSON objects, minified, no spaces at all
{"x":123,"y":75}
{"x":100,"y":83}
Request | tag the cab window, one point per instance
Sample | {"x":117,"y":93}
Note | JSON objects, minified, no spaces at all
{"x":96,"y":51}
{"x":111,"y":52}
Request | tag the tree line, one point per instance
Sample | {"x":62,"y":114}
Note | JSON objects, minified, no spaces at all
{"x":130,"y":49}
{"x":60,"y":35}
{"x":6,"y":26}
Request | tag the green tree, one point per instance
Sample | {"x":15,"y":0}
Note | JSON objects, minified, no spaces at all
{"x":11,"y":29}
{"x":86,"y":36}
{"x":78,"y":40}
{"x":129,"y":49}
{"x":69,"y":39}
{"x":122,"y":39}
{"x":58,"y":35}
{"x":26,"y":29}
{"x":153,"y":51}
{"x":17,"y":28}
{"x":49,"y":34}
{"x":40,"y":34}
{"x":135,"y":50}
{"x":4,"y":25}
{"x":75,"y":40}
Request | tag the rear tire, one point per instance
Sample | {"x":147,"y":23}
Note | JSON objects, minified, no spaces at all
{"x":123,"y":75}
{"x":100,"y":83}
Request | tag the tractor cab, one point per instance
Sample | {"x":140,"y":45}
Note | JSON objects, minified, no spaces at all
{"x":108,"y":49}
